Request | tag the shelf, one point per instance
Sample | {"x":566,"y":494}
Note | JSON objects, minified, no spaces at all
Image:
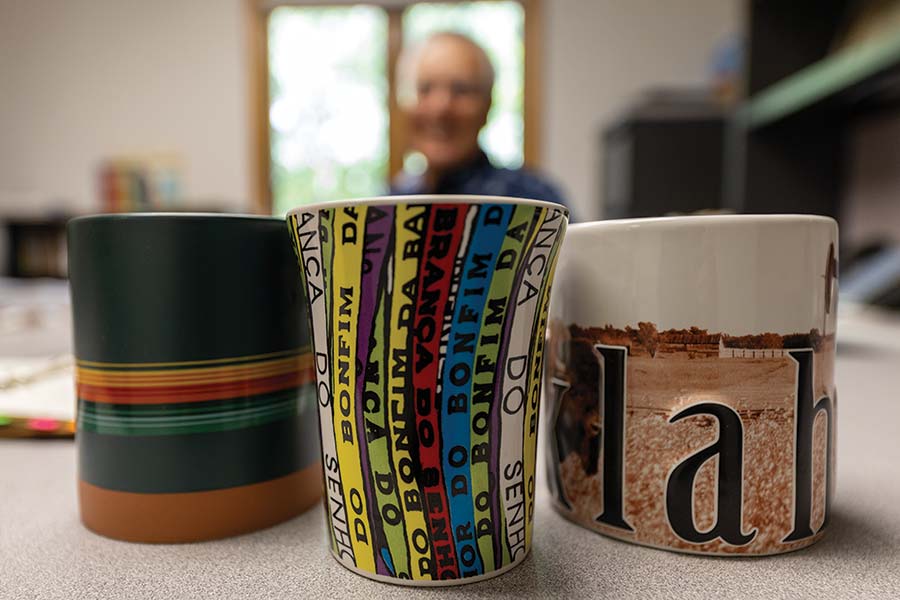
{"x":812,"y":86}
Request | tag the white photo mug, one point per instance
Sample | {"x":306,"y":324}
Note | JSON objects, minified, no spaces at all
{"x":690,"y":381}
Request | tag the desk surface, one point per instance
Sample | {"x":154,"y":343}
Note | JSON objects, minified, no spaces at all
{"x":46,"y":553}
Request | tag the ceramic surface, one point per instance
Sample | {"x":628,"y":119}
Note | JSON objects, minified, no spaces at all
{"x":428,"y":318}
{"x":194,"y":376}
{"x":690,"y":381}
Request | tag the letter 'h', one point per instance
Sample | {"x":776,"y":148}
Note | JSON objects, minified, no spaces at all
{"x":805,"y":415}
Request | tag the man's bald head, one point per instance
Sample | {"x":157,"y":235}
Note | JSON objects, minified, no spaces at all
{"x":445,"y":87}
{"x":469,"y":52}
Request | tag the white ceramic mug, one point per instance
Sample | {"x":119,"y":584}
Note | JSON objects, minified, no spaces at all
{"x":690,"y":389}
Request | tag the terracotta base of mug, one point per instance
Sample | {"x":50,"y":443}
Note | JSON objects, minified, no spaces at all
{"x":793,"y":548}
{"x":197,"y":516}
{"x":430,"y":582}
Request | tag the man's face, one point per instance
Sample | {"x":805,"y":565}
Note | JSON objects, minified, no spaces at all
{"x":452,"y":103}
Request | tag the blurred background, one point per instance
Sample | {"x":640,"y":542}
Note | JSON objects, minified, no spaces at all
{"x":637,"y":108}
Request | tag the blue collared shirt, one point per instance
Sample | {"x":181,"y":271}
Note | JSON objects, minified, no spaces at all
{"x":481,"y":178}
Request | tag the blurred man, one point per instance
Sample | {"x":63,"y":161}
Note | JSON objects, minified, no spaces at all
{"x":447,"y":95}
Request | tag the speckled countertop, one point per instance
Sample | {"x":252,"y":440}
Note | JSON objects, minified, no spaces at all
{"x":46,"y":553}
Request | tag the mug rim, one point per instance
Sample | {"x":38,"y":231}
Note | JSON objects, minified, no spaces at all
{"x":694,"y":220}
{"x":395,"y":200}
{"x":171,"y":216}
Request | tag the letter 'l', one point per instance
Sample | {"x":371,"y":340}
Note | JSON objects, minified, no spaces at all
{"x":613,"y":360}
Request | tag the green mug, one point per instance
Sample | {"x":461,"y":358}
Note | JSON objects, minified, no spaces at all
{"x":195,"y":389}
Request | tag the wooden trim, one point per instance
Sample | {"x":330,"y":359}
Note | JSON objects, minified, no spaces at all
{"x":532,"y":100}
{"x":256,"y":19}
{"x":398,"y":129}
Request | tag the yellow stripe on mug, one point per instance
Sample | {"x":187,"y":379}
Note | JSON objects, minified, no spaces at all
{"x":349,"y":230}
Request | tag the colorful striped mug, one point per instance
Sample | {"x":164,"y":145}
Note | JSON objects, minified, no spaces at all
{"x":428,"y":320}
{"x":196,"y":393}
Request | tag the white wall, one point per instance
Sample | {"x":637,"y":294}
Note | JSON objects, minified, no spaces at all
{"x":85,"y":80}
{"x":599,"y":55}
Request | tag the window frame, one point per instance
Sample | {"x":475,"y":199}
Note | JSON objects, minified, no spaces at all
{"x":256,"y":19}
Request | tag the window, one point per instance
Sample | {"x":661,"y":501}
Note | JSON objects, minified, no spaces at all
{"x":332,"y":129}
{"x":328,"y":103}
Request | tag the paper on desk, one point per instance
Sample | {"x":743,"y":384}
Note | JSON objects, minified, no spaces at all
{"x":37,"y":391}
{"x":37,"y":397}
{"x":47,"y":391}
